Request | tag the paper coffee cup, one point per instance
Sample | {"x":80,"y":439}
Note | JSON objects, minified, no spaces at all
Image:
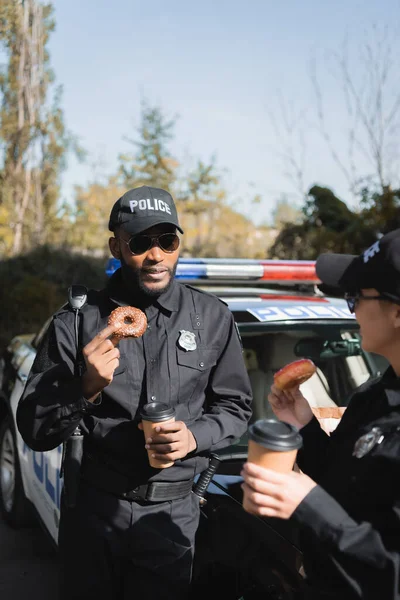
{"x":152,"y":415}
{"x":273,"y":445}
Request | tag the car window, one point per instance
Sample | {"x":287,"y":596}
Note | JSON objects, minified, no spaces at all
{"x":342,"y":366}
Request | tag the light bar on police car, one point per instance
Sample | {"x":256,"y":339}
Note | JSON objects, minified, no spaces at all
{"x":290,"y":270}
{"x":223,"y":270}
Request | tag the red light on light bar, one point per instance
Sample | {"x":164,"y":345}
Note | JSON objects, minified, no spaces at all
{"x":294,"y":271}
{"x":304,"y":299}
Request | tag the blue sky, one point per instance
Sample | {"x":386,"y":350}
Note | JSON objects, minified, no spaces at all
{"x":222,"y":66}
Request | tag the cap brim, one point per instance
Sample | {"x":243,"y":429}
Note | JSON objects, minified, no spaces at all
{"x":138,"y":225}
{"x":331,"y":268}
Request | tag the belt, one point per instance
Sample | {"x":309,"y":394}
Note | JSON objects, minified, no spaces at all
{"x":160,"y":491}
{"x":103,"y":477}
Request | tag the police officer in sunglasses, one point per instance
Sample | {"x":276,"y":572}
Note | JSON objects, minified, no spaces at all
{"x":132,"y":531}
{"x":346,"y":500}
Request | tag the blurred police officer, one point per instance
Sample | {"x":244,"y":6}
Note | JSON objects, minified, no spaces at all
{"x":132,"y":532}
{"x":347,"y":500}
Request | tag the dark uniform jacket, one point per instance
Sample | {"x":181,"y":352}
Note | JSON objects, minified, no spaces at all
{"x":350,"y":522}
{"x":208,"y":385}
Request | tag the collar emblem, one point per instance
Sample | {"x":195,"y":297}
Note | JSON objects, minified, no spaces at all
{"x":187,"y":340}
{"x":366,"y":442}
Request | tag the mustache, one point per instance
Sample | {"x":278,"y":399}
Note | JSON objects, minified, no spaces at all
{"x":156,"y":269}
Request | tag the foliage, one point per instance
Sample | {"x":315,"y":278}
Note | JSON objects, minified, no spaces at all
{"x":34,"y":142}
{"x":200,"y":200}
{"x":381,"y":210}
{"x":284,"y":212}
{"x":323,"y":208}
{"x":223,"y":232}
{"x":212,"y":227}
{"x":330,"y":226}
{"x":152,"y":163}
{"x":33,"y":138}
{"x":89,"y":229}
{"x":35,"y":284}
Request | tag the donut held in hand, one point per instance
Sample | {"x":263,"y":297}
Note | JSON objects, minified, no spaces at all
{"x":127,"y":322}
{"x":294,"y":374}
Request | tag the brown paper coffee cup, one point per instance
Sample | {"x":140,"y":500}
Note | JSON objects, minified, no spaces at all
{"x":272,"y":445}
{"x":271,"y":459}
{"x":153,"y":415}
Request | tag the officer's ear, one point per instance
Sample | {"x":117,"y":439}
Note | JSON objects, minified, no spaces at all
{"x":114,"y":246}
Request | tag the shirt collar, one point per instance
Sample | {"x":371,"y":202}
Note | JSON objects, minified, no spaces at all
{"x":117,"y":293}
{"x":170,"y":298}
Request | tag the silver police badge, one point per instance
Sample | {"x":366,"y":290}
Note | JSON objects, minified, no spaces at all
{"x":366,"y":442}
{"x":187,"y":340}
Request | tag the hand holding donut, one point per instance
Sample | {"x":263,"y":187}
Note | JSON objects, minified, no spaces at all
{"x":287,"y":402}
{"x":290,"y":406}
{"x":101,"y":354}
{"x":101,"y":358}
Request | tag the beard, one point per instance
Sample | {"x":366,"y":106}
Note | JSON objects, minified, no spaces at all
{"x":131,"y":277}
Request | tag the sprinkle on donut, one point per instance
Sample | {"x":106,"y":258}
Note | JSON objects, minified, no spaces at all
{"x":128,"y":322}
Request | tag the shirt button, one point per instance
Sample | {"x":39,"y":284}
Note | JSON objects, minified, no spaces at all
{"x":154,"y":398}
{"x":201,"y":364}
{"x":148,"y":327}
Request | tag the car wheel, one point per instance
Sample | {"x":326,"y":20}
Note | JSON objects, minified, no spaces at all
{"x":14,"y":506}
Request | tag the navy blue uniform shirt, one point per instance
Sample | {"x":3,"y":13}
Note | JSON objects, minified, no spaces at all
{"x":208,"y":386}
{"x":350,"y":522}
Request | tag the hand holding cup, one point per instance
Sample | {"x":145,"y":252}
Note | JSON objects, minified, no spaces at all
{"x":272,"y":445}
{"x":154,"y":415}
{"x":272,"y":494}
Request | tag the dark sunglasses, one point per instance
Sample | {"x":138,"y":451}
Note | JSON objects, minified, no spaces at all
{"x":141,"y":243}
{"x":353,"y":299}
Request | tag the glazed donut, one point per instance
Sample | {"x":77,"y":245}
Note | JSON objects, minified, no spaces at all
{"x":128,"y":322}
{"x":294,"y":374}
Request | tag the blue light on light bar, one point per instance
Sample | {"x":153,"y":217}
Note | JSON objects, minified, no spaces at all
{"x":210,"y":268}
{"x":188,"y":268}
{"x":112,"y":265}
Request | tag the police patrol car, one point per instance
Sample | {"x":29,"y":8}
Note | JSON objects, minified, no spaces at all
{"x":281,"y":315}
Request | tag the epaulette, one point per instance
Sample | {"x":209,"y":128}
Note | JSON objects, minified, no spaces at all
{"x":200,"y":291}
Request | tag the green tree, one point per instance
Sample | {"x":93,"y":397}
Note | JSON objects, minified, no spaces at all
{"x":284,"y":213}
{"x":89,"y":229}
{"x":200,"y":200}
{"x":198,"y":191}
{"x":323,"y":209}
{"x":381,"y":209}
{"x":328,"y":226}
{"x":151,"y":163}
{"x":33,"y":138}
